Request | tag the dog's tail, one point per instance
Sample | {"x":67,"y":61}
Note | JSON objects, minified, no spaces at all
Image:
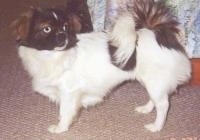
{"x":153,"y":15}
{"x":123,"y":36}
{"x":159,"y":18}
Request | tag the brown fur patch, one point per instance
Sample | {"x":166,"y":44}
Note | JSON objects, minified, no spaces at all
{"x":80,"y":9}
{"x":21,"y":26}
{"x":76,"y":23}
{"x":158,"y":17}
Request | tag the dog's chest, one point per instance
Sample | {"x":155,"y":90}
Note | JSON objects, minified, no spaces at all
{"x":41,"y":64}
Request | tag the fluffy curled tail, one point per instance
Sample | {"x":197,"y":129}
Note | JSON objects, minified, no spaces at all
{"x":123,"y":36}
{"x":158,"y":17}
{"x":153,"y":15}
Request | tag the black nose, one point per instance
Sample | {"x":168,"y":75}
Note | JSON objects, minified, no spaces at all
{"x":60,"y":39}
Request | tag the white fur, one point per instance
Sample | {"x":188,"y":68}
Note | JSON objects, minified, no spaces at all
{"x":159,"y":69}
{"x":55,"y":16}
{"x":80,"y":76}
{"x":124,"y":38}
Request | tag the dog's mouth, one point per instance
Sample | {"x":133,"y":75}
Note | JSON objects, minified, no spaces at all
{"x":61,"y":46}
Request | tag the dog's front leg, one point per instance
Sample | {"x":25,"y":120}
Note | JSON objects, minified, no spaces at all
{"x":69,"y":106}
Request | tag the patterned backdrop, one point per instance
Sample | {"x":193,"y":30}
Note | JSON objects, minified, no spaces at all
{"x":103,"y":13}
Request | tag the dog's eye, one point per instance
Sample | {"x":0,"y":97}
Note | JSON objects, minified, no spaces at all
{"x":47,"y":29}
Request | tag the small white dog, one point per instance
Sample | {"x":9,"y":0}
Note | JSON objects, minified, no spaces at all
{"x":77,"y":70}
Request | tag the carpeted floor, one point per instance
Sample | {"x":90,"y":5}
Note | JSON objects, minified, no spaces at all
{"x":25,"y":115}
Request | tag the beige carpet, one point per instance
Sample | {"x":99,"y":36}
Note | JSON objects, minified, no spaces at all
{"x":25,"y":115}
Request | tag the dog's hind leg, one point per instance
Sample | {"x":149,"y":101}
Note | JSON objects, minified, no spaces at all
{"x":161,"y":102}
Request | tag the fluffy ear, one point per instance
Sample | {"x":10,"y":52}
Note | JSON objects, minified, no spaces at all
{"x":81,"y":15}
{"x":21,"y":25}
{"x":75,"y":23}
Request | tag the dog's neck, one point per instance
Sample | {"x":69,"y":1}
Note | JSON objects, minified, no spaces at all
{"x":48,"y":54}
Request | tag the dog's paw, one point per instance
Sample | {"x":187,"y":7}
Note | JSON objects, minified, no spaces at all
{"x":91,"y":101}
{"x":56,"y":129}
{"x":143,"y":109}
{"x":153,"y":127}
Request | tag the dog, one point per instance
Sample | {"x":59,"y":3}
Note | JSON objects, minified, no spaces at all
{"x":73,"y":70}
{"x":78,"y":70}
{"x":148,"y":43}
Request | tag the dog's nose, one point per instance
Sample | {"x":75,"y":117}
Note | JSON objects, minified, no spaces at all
{"x":60,"y":38}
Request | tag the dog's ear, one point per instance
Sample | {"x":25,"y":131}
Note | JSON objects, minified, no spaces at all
{"x":81,"y":15}
{"x":20,"y":26}
{"x":75,"y":23}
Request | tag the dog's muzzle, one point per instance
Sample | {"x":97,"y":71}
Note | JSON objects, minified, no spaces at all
{"x":60,"y":39}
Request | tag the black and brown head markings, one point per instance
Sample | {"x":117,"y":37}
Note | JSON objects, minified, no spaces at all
{"x":45,"y":29}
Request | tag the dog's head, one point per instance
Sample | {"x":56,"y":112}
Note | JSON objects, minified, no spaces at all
{"x":47,"y":29}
